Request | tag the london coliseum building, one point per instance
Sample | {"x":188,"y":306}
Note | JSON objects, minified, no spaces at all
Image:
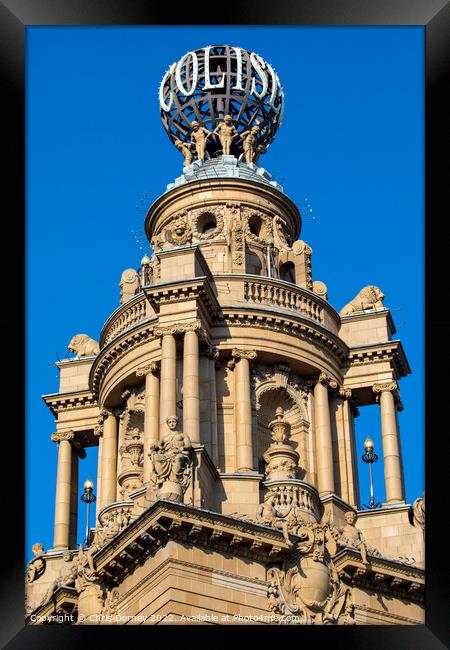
{"x":222,"y":395}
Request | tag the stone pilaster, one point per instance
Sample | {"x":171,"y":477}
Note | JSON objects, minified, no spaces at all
{"x":393,"y":474}
{"x":324,"y":443}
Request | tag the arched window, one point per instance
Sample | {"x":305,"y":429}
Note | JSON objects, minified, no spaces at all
{"x":287,"y":272}
{"x":253,"y":264}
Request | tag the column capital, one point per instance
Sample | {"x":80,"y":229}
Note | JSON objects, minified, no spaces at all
{"x":238,"y":354}
{"x":108,"y":411}
{"x":179,"y":328}
{"x":324,"y":378}
{"x":79,"y":449}
{"x":150,"y":368}
{"x":344,"y":393}
{"x":388,"y":387}
{"x":243,"y":354}
{"x":58,"y":436}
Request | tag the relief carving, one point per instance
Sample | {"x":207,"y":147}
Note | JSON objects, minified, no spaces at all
{"x":306,"y":589}
{"x":171,"y":463}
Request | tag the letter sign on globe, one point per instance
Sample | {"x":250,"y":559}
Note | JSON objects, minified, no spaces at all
{"x":207,"y":84}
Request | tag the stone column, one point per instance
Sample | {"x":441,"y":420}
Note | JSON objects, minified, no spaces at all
{"x":344,"y":452}
{"x":324,"y":444}
{"x":151,"y":414}
{"x":168,"y":396}
{"x":63,"y":489}
{"x":243,"y":406}
{"x":98,"y":431}
{"x":213,"y":405}
{"x":191,"y":399}
{"x":393,"y":475}
{"x":109,"y":457}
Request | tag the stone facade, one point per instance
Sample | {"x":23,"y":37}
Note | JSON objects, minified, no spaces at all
{"x":222,"y":397}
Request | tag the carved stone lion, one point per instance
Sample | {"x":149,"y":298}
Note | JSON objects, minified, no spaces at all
{"x":83,"y":346}
{"x":368,"y":298}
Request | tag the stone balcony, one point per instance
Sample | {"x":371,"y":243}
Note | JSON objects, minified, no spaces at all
{"x":233,"y":290}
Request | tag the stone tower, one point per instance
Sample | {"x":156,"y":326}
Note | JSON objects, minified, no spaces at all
{"x":222,"y":396}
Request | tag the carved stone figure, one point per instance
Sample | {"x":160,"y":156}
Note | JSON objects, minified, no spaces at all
{"x":66,"y":576}
{"x":185,"y":149}
{"x":83,"y":346}
{"x":36,"y":565}
{"x":369,"y":297}
{"x":89,"y":586}
{"x":171,"y":464}
{"x":199,"y":137}
{"x":179,"y":232}
{"x":419,"y":512}
{"x":250,"y":141}
{"x":226,"y":132}
{"x":268,"y":515}
{"x":352,"y":536}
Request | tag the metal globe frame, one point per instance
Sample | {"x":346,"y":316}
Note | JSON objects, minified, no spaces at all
{"x":245,"y":96}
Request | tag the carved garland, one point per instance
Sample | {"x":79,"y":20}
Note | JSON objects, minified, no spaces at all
{"x":195,"y":215}
{"x":266,"y":225}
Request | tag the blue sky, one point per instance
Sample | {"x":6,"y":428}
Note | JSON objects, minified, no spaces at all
{"x":350,"y":149}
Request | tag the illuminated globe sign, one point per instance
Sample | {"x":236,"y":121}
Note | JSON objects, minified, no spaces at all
{"x":209,"y":84}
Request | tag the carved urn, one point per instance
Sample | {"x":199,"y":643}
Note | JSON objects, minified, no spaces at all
{"x":281,"y":459}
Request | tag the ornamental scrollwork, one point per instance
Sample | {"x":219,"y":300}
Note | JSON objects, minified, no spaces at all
{"x":197,"y":216}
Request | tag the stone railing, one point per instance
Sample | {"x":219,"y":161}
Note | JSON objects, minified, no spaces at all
{"x":277,"y":294}
{"x":295,"y":493}
{"x":135,"y":310}
{"x":113,"y":518}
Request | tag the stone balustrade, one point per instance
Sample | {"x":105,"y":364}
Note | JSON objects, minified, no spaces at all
{"x":277,"y":294}
{"x":134,"y":311}
{"x":235,"y":289}
{"x":295,"y":493}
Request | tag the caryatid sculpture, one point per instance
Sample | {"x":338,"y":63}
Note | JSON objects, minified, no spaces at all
{"x":199,"y":136}
{"x":185,"y":149}
{"x":250,"y":146}
{"x":226,"y":132}
{"x":171,"y":463}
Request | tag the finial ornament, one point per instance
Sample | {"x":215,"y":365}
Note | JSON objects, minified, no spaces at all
{"x":235,"y":96}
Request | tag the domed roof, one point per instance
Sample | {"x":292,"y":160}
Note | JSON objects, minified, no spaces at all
{"x":224,"y":167}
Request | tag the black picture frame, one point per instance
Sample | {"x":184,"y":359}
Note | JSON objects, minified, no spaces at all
{"x":15,"y":16}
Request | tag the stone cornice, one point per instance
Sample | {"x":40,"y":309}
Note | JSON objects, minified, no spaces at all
{"x":58,"y":402}
{"x":182,"y":291}
{"x":63,"y":598}
{"x":383,"y":575}
{"x":391,"y":351}
{"x":133,"y":337}
{"x":288,"y":324}
{"x":165,"y":520}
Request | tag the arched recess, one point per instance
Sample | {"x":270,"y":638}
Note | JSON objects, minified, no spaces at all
{"x":269,"y":396}
{"x":287,"y":272}
{"x":253,"y":263}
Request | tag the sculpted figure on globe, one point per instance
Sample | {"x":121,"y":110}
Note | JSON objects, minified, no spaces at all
{"x":231,"y":93}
